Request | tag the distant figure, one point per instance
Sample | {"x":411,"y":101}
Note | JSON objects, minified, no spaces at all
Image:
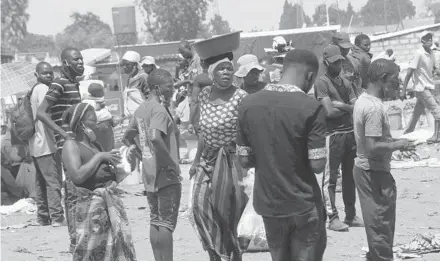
{"x":148,"y":64}
{"x":421,"y":69}
{"x":362,"y":57}
{"x":136,"y":81}
{"x":249,"y":73}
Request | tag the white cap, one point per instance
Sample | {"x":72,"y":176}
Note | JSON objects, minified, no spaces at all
{"x":149,"y":60}
{"x":279,"y":40}
{"x":132,"y":56}
{"x":425,"y":33}
{"x":246,"y":63}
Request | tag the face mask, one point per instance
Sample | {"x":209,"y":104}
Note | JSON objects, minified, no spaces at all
{"x":89,"y":133}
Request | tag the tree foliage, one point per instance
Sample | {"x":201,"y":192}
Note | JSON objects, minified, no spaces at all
{"x":336,"y":16}
{"x":38,"y":43}
{"x":219,"y":26}
{"x":173,"y":20}
{"x":373,"y":13}
{"x":14,"y":20}
{"x":86,"y":31}
{"x":293,"y":16}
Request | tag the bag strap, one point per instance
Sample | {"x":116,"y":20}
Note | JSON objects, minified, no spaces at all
{"x":32,"y":90}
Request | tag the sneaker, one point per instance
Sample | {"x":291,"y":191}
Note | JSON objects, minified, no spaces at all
{"x":355,"y":222}
{"x":61,"y":223}
{"x":337,"y":225}
{"x":43,"y":222}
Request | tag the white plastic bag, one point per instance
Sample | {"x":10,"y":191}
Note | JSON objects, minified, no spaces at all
{"x":251,"y":225}
{"x":123,"y":169}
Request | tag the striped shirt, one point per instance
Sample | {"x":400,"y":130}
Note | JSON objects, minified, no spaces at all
{"x":63,"y":93}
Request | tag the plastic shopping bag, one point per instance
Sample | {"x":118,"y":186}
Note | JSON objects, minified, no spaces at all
{"x":251,"y":225}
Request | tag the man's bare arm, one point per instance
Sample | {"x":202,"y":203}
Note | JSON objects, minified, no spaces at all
{"x":44,"y":117}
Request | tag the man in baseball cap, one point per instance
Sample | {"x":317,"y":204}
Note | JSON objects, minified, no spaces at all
{"x":350,"y":66}
{"x":337,"y":96}
{"x":148,"y":63}
{"x":249,"y":72}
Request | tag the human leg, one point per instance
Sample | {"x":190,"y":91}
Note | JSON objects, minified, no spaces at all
{"x":348,"y":185}
{"x":377,"y":196}
{"x":43,"y":216}
{"x":278,"y":234}
{"x":335,"y":148}
{"x":164,"y":208}
{"x":307,"y":238}
{"x":433,"y":107}
{"x":419,"y":109}
{"x":50,"y":168}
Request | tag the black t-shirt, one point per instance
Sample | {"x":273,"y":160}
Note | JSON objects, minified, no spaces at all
{"x":337,"y":89}
{"x":282,"y":128}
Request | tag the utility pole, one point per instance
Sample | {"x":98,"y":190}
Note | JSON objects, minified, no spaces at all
{"x":385,"y":14}
{"x":326,"y":10}
{"x":339,"y":13}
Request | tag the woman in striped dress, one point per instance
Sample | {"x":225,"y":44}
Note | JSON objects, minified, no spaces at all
{"x":218,"y":198}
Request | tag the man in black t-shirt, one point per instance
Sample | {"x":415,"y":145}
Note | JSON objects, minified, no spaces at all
{"x":287,"y":150}
{"x":336,"y":95}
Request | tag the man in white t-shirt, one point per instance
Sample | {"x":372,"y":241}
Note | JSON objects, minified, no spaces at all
{"x":421,"y":69}
{"x":42,"y":148}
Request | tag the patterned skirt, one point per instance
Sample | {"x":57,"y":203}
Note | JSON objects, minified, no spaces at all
{"x":101,"y":223}
{"x":218,"y":201}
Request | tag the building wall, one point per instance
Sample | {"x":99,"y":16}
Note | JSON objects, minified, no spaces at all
{"x":402,"y":45}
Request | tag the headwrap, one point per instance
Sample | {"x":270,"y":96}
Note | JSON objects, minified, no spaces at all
{"x":213,"y":66}
{"x":74,"y":114}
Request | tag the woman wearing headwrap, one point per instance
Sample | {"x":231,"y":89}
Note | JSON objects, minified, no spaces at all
{"x":218,"y":199}
{"x":98,"y":214}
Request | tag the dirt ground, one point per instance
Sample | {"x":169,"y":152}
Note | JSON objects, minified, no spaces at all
{"x":418,"y":211}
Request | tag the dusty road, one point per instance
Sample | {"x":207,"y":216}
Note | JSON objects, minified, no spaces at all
{"x":418,"y":211}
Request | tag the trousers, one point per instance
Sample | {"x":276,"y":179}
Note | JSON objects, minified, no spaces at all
{"x":341,"y":151}
{"x":377,"y":196}
{"x":48,"y":188}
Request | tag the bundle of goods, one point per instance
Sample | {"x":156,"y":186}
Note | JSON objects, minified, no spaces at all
{"x":422,"y":244}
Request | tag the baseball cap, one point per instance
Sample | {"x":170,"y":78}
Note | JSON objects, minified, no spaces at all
{"x":342,"y":40}
{"x":246,"y":63}
{"x":149,"y":60}
{"x":426,"y":33}
{"x":332,"y":54}
{"x":132,"y":56}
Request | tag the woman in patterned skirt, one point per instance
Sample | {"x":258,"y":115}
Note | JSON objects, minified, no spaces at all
{"x":218,"y":198}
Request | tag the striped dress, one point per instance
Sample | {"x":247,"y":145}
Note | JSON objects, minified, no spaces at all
{"x":219,"y":199}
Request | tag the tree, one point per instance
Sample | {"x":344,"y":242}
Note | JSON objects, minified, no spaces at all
{"x":373,"y":13}
{"x":173,"y":20}
{"x":86,"y":31}
{"x":38,"y":43}
{"x":219,"y":26}
{"x":348,"y":14}
{"x":336,"y":16}
{"x":293,"y":16}
{"x":14,"y":20}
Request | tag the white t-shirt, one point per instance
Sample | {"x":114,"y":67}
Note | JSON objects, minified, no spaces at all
{"x":183,"y":110}
{"x":43,"y":141}
{"x":423,"y":65}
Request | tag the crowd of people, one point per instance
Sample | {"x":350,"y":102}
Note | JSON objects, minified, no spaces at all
{"x":256,"y":115}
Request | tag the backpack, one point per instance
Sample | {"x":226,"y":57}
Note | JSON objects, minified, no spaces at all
{"x":22,"y":118}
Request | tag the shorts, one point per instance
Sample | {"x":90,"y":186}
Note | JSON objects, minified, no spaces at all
{"x":164,"y":206}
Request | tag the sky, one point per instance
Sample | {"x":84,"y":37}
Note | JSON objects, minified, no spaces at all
{"x":50,"y":17}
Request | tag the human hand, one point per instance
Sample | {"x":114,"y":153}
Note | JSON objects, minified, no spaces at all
{"x":193,"y":169}
{"x":191,"y":129}
{"x":113,"y":157}
{"x":405,"y":145}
